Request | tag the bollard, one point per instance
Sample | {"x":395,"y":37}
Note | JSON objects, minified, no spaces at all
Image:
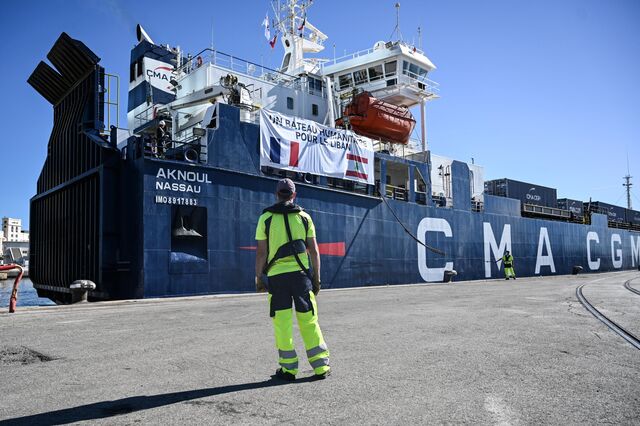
{"x":576,"y":270}
{"x":448,"y":276}
{"x":80,"y":290}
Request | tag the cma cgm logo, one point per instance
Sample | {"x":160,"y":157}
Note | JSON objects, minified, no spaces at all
{"x":161,"y":73}
{"x":533,"y":197}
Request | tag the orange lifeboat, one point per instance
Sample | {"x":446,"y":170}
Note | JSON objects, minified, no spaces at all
{"x":377,"y":119}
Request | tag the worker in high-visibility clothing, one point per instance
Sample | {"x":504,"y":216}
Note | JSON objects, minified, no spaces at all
{"x":508,"y":266}
{"x":284,"y":234}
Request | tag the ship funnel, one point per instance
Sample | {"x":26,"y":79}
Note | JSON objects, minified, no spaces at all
{"x":142,"y":34}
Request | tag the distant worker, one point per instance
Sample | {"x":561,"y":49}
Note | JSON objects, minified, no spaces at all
{"x":161,"y":139}
{"x":284,"y":234}
{"x":508,"y":265}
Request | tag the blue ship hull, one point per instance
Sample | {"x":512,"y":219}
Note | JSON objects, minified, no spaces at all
{"x":377,"y":251}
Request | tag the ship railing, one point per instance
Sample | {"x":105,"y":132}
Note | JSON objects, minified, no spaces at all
{"x":347,"y":57}
{"x":426,"y":83}
{"x":440,"y":200}
{"x":143,"y":118}
{"x":364,"y":52}
{"x":111,"y":102}
{"x":189,"y":149}
{"x":234,"y":64}
{"x":421,"y":197}
{"x":477,"y":206}
{"x":396,"y":192}
{"x":415,"y":48}
{"x":533,"y":209}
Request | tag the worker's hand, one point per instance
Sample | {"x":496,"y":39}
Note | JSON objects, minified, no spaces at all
{"x":261,"y":286}
{"x":316,"y":284}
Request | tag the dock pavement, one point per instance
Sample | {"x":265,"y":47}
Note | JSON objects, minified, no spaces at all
{"x":481,"y":352}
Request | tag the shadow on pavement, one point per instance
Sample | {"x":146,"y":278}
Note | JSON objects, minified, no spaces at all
{"x":104,"y":409}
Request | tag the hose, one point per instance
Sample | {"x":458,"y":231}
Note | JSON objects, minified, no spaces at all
{"x":13,"y":301}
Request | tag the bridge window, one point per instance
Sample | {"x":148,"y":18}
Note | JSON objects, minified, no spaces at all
{"x":315,"y":85}
{"x":390,"y":68}
{"x":139,"y":67}
{"x":375,"y":73}
{"x":345,"y":81}
{"x":360,"y":76}
{"x":413,"y":70}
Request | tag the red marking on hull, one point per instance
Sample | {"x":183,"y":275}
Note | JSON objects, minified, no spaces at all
{"x":332,"y":249}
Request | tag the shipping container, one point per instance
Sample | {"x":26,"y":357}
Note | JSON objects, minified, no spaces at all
{"x":633,"y":217}
{"x":574,"y":206}
{"x":527,"y":193}
{"x":614,"y":213}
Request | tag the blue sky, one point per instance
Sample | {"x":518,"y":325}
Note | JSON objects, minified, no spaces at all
{"x":541,"y":91}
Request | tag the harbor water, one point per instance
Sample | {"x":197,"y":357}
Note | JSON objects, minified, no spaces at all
{"x":27,"y":295}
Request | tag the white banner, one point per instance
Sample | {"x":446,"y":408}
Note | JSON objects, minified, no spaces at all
{"x":159,"y":74}
{"x":305,"y":146}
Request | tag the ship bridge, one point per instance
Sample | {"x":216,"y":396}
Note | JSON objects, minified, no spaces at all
{"x":394,"y":72}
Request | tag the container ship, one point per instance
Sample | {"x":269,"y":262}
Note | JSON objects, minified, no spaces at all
{"x":169,"y":206}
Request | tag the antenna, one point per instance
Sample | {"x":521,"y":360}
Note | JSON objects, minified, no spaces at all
{"x":420,"y":38}
{"x":627,"y":183}
{"x":212,"y":33}
{"x":397,"y":28}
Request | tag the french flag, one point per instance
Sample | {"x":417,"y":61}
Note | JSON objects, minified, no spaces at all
{"x":276,"y":154}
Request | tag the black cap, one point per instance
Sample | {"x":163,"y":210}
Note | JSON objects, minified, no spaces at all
{"x":286,"y":187}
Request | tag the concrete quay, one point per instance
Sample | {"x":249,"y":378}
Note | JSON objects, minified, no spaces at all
{"x":482,"y":352}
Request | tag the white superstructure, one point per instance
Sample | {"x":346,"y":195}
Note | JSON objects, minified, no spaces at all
{"x":307,"y":87}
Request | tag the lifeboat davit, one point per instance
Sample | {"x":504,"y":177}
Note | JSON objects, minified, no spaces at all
{"x":377,"y":119}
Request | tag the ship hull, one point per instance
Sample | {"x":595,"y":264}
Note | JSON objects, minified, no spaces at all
{"x":365,"y":244}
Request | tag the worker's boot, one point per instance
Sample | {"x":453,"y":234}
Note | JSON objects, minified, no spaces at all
{"x":284,"y":375}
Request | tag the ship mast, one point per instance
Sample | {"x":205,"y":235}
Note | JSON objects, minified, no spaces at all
{"x":627,"y":184}
{"x":297,"y":35}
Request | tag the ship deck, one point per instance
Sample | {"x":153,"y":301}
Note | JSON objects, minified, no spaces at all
{"x":495,"y":351}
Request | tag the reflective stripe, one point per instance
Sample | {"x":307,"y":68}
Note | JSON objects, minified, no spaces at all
{"x":290,"y":365}
{"x":317,"y":350}
{"x":319,"y":362}
{"x":287,"y":354}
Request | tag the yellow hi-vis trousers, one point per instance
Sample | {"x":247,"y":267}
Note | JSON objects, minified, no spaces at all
{"x":283,"y":290}
{"x":508,"y":272}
